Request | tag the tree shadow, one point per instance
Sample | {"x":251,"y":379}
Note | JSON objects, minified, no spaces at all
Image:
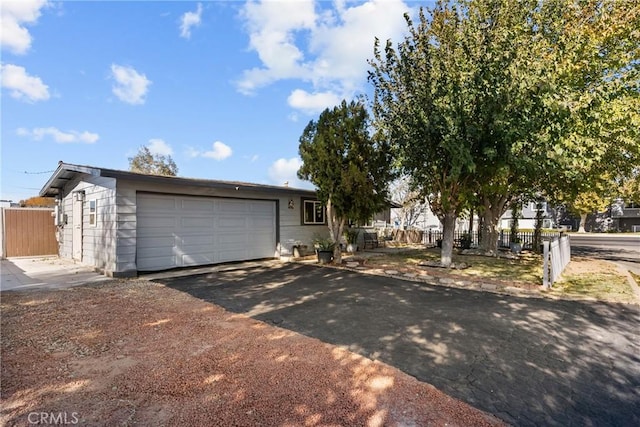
{"x":528,"y":361}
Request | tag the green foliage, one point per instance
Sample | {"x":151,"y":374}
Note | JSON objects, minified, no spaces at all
{"x":152,"y":164}
{"x":350,"y":167}
{"x":351,"y":235}
{"x":323,"y":243}
{"x":491,"y":100}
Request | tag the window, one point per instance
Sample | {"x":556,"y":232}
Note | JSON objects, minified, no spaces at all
{"x":312,"y":212}
{"x":93,"y":212}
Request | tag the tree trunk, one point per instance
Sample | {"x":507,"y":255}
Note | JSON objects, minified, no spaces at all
{"x":583,"y":222}
{"x":537,"y":231}
{"x":449,"y":225}
{"x":336,"y":227}
{"x":491,"y":213}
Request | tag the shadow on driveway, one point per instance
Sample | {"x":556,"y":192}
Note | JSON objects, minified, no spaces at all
{"x":528,"y":361}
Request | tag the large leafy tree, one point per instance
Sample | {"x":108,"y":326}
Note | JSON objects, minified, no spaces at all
{"x":153,"y":164}
{"x":492,"y":100}
{"x":420,"y":106}
{"x":350,"y":166}
{"x":592,"y":49}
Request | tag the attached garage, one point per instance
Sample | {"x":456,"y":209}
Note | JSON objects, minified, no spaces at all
{"x":180,"y":231}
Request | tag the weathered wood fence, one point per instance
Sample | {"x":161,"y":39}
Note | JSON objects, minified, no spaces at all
{"x":556,"y":255}
{"x":28,"y":232}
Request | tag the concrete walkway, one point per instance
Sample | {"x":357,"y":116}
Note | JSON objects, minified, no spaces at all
{"x":19,"y":274}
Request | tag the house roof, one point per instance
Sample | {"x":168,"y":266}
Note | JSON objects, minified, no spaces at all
{"x":66,"y":172}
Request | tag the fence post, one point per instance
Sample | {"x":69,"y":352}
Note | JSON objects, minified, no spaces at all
{"x":545,"y":265}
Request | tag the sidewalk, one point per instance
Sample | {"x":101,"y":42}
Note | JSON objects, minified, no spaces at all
{"x":18,"y":274}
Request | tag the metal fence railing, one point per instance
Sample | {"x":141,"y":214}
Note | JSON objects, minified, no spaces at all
{"x":431,"y":237}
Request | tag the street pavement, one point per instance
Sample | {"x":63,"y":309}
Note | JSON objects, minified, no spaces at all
{"x":529,"y":361}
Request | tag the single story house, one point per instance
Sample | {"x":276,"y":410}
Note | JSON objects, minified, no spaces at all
{"x":123,"y":223}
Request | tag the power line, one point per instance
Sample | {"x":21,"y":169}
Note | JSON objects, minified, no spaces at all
{"x":33,"y":173}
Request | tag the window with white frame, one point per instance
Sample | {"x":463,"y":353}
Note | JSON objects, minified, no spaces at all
{"x":93,"y":212}
{"x":313,"y":212}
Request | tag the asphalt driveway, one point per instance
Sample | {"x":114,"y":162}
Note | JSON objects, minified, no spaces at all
{"x":528,"y":361}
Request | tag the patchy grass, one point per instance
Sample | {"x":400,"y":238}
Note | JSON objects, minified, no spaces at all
{"x":527,"y":269}
{"x":583,"y":278}
{"x":605,"y":286}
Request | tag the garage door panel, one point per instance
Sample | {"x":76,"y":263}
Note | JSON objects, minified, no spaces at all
{"x":261,"y":207}
{"x":203,"y":223}
{"x":197,"y":239}
{"x":198,"y":259}
{"x":197,"y":205}
{"x":156,"y":222}
{"x":233,"y":206}
{"x":234,"y":255}
{"x":151,"y":242}
{"x":261,"y":223}
{"x":230,"y":222}
{"x":176,"y":231}
{"x":155,"y":263}
{"x":163,"y":252}
{"x":156,"y":203}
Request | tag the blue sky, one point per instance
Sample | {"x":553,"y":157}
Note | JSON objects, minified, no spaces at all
{"x":225,"y":87}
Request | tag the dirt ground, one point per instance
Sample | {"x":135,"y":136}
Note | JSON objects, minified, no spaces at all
{"x":138,"y":353}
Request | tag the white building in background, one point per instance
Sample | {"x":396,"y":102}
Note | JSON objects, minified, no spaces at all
{"x":527,"y":218}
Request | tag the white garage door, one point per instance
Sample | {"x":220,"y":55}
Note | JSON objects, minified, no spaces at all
{"x":179,"y":231}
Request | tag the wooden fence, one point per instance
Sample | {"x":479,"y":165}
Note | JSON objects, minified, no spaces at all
{"x":28,"y":232}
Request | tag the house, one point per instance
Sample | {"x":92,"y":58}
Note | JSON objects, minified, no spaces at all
{"x":123,"y":223}
{"x":625,"y":215}
{"x":527,"y":217}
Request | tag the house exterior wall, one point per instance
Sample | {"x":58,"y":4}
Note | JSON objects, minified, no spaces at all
{"x":98,"y":243}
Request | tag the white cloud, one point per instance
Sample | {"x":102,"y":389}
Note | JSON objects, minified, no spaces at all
{"x":14,"y":36}
{"x":158,"y":146}
{"x":190,"y":20}
{"x":22,"y":86}
{"x":130,"y":87}
{"x":286,"y":170}
{"x":68,"y":137}
{"x":219,"y":151}
{"x":325,"y":47}
{"x":312,"y":102}
{"x":272,"y":27}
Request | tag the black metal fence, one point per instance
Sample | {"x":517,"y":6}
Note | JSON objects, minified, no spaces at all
{"x":431,"y":238}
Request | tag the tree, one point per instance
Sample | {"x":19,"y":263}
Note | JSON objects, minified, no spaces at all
{"x":593,"y":138}
{"x":498,"y":99}
{"x":350,"y":166}
{"x":587,"y":203}
{"x":38,"y":202}
{"x":153,"y":164}
{"x":411,"y":204}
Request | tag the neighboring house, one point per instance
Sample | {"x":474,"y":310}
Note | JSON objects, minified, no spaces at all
{"x":418,"y":216}
{"x":625,"y":216}
{"x":123,"y":223}
{"x":527,"y":218}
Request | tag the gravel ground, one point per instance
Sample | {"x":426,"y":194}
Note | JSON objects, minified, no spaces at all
{"x":138,"y":353}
